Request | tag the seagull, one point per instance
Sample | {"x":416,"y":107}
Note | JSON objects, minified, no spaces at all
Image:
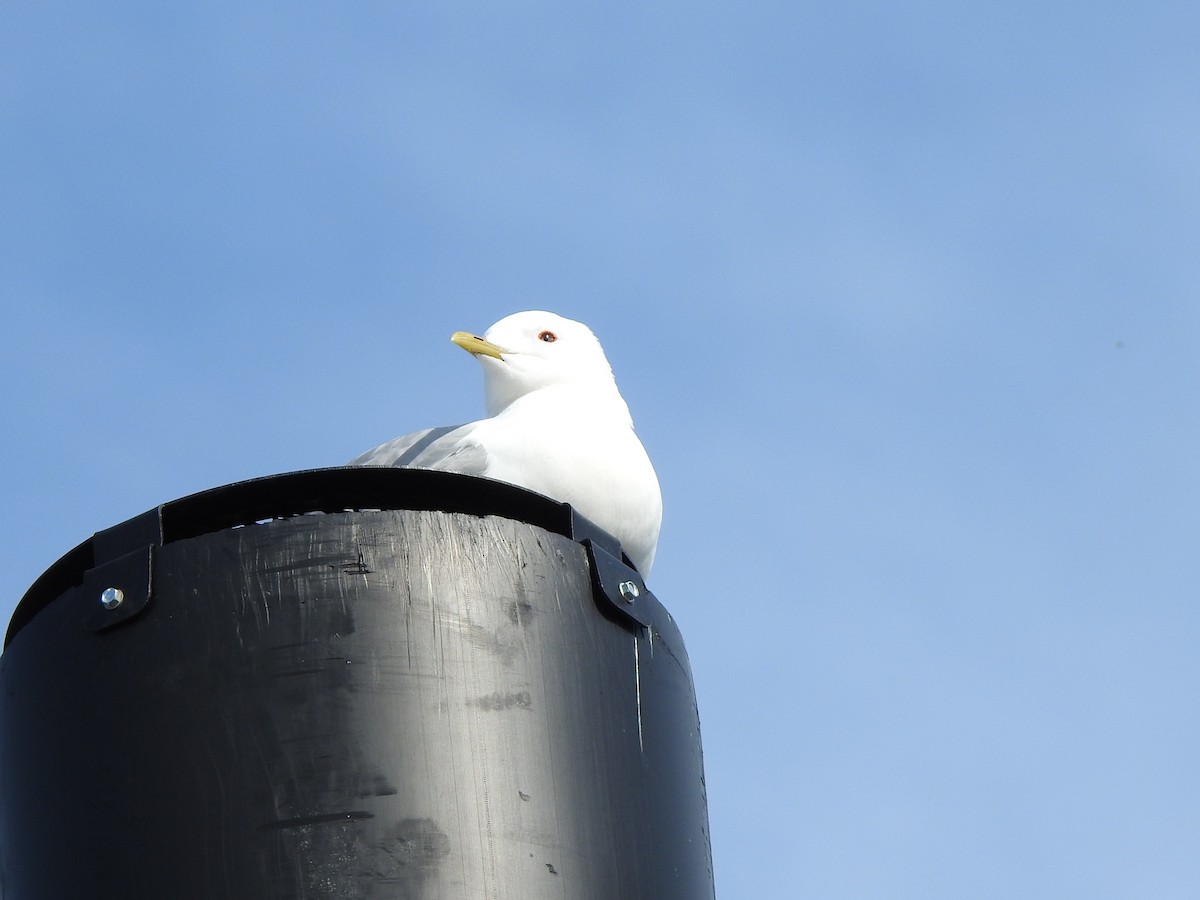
{"x":556,"y":425}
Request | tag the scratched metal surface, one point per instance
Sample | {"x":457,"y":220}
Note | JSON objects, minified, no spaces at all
{"x":397,"y":704}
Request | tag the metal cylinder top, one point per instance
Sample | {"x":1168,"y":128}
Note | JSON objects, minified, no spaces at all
{"x":341,"y":489}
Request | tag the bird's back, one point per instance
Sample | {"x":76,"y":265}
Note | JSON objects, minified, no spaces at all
{"x":433,"y":448}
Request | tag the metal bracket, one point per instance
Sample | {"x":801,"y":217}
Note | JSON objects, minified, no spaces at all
{"x":585,"y":531}
{"x":621,"y":586}
{"x":121,"y":583}
{"x":118,"y":590}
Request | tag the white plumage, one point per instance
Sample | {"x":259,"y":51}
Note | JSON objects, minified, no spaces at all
{"x":558,"y":426}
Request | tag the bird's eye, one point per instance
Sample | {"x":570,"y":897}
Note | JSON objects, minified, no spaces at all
{"x":548,"y":336}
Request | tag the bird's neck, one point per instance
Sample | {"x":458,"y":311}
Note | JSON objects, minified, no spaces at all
{"x":600,"y":400}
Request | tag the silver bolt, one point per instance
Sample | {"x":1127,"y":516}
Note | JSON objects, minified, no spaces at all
{"x":111,"y":598}
{"x":629,"y":591}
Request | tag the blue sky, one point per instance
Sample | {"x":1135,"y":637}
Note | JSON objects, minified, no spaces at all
{"x":905,"y":299}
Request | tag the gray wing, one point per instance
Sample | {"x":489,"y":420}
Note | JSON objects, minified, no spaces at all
{"x":449,"y":449}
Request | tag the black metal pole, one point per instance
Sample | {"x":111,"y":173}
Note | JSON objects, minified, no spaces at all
{"x":434,"y":687}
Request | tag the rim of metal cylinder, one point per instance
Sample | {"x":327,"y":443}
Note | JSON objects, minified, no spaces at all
{"x":333,"y":490}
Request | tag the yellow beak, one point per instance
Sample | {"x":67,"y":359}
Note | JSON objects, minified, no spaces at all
{"x":476,"y":345}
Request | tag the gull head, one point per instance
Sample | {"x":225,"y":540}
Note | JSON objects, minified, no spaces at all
{"x":529,"y":351}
